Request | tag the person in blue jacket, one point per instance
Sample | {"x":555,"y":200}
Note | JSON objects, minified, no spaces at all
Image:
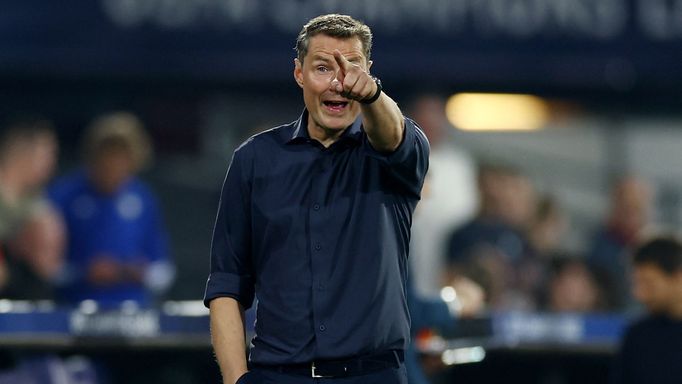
{"x":117,"y":243}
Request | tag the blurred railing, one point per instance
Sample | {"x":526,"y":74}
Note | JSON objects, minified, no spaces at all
{"x":185,"y":325}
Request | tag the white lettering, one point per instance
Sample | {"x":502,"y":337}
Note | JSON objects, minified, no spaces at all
{"x":573,"y":16}
{"x":236,"y":12}
{"x":523,"y":19}
{"x":611,"y":16}
{"x":391,"y":15}
{"x":128,"y":13}
{"x":450,"y":15}
{"x":653,"y":19}
{"x":532,"y":18}
{"x":177,"y":13}
{"x":284,"y":14}
{"x":661,"y":19}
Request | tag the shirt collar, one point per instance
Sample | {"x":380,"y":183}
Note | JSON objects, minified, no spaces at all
{"x":300,"y":134}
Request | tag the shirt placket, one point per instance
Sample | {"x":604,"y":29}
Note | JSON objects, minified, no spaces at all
{"x":319,"y":248}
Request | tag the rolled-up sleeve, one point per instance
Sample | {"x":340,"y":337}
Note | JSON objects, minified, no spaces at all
{"x":409,"y":162}
{"x":231,"y":263}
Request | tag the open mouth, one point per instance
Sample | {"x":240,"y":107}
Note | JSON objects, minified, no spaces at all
{"x":335,"y":105}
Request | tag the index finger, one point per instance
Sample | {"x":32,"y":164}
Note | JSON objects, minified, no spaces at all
{"x":342,"y":61}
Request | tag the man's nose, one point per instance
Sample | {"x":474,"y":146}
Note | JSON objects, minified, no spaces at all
{"x":334,"y":82}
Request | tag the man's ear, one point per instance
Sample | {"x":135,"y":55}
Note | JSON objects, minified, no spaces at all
{"x":298,"y":72}
{"x":369,"y":65}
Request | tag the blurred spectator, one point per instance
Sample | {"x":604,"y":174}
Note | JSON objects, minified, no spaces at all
{"x":27,"y":159}
{"x":461,"y":299}
{"x":572,"y":287}
{"x":117,"y":244}
{"x":34,"y":257}
{"x":449,"y":201}
{"x":438,"y":313}
{"x":31,"y":234}
{"x":631,"y":202}
{"x":547,"y":228}
{"x":490,"y":248}
{"x":651,"y":350}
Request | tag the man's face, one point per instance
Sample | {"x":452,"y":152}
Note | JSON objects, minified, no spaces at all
{"x":43,"y":160}
{"x":329,"y":112}
{"x":110,"y":169}
{"x":655,"y":289}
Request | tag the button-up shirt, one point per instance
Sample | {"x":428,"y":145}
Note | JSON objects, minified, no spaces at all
{"x":321,"y":237}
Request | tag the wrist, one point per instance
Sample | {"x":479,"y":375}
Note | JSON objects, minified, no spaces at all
{"x":376,"y":94}
{"x":239,"y":377}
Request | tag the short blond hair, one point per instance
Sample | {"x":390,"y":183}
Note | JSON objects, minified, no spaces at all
{"x":121,"y":130}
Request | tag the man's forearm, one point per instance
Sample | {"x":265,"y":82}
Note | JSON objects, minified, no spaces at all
{"x":382,"y":119}
{"x":384,"y":123}
{"x":228,"y":337}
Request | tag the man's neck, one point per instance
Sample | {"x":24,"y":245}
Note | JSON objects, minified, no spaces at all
{"x":326,"y":137}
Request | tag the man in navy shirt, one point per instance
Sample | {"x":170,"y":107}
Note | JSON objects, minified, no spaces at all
{"x":314,"y":220}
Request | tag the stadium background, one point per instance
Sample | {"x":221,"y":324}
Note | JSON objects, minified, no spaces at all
{"x":205,"y":74}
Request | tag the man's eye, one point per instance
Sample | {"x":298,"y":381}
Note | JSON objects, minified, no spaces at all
{"x":322,"y":69}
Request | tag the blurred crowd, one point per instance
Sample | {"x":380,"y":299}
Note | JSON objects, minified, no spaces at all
{"x":485,"y":238}
{"x":95,"y":233}
{"x":509,"y":237}
{"x":488,"y":222}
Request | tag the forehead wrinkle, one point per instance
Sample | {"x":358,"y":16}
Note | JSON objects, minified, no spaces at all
{"x":353,"y":54}
{"x":318,"y":57}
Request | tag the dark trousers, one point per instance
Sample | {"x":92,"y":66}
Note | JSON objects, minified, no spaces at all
{"x":265,"y":376}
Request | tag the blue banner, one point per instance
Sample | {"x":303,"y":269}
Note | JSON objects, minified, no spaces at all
{"x":617,"y":45}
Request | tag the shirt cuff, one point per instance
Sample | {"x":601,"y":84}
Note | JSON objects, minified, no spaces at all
{"x":400,"y":154}
{"x":222,"y":284}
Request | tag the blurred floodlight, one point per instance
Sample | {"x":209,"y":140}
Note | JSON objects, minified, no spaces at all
{"x":185,"y":308}
{"x":5,"y":306}
{"x":448,"y":294}
{"x":88,"y":307}
{"x":463,"y":355}
{"x":497,"y":112}
{"x":129,"y":307}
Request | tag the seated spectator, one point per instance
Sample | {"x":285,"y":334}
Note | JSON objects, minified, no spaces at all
{"x":447,"y":202}
{"x":461,"y":299}
{"x":490,"y":247}
{"x":572,"y":287}
{"x":651,"y":349}
{"x":547,"y":227}
{"x":30,"y":232}
{"x":34,"y":257}
{"x":631,"y":202}
{"x":117,"y":245}
{"x":27,"y":159}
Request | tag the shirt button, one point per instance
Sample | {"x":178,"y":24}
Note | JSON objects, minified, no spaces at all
{"x":318,"y":247}
{"x":323,"y":328}
{"x":320,"y":287}
{"x":316,"y":207}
